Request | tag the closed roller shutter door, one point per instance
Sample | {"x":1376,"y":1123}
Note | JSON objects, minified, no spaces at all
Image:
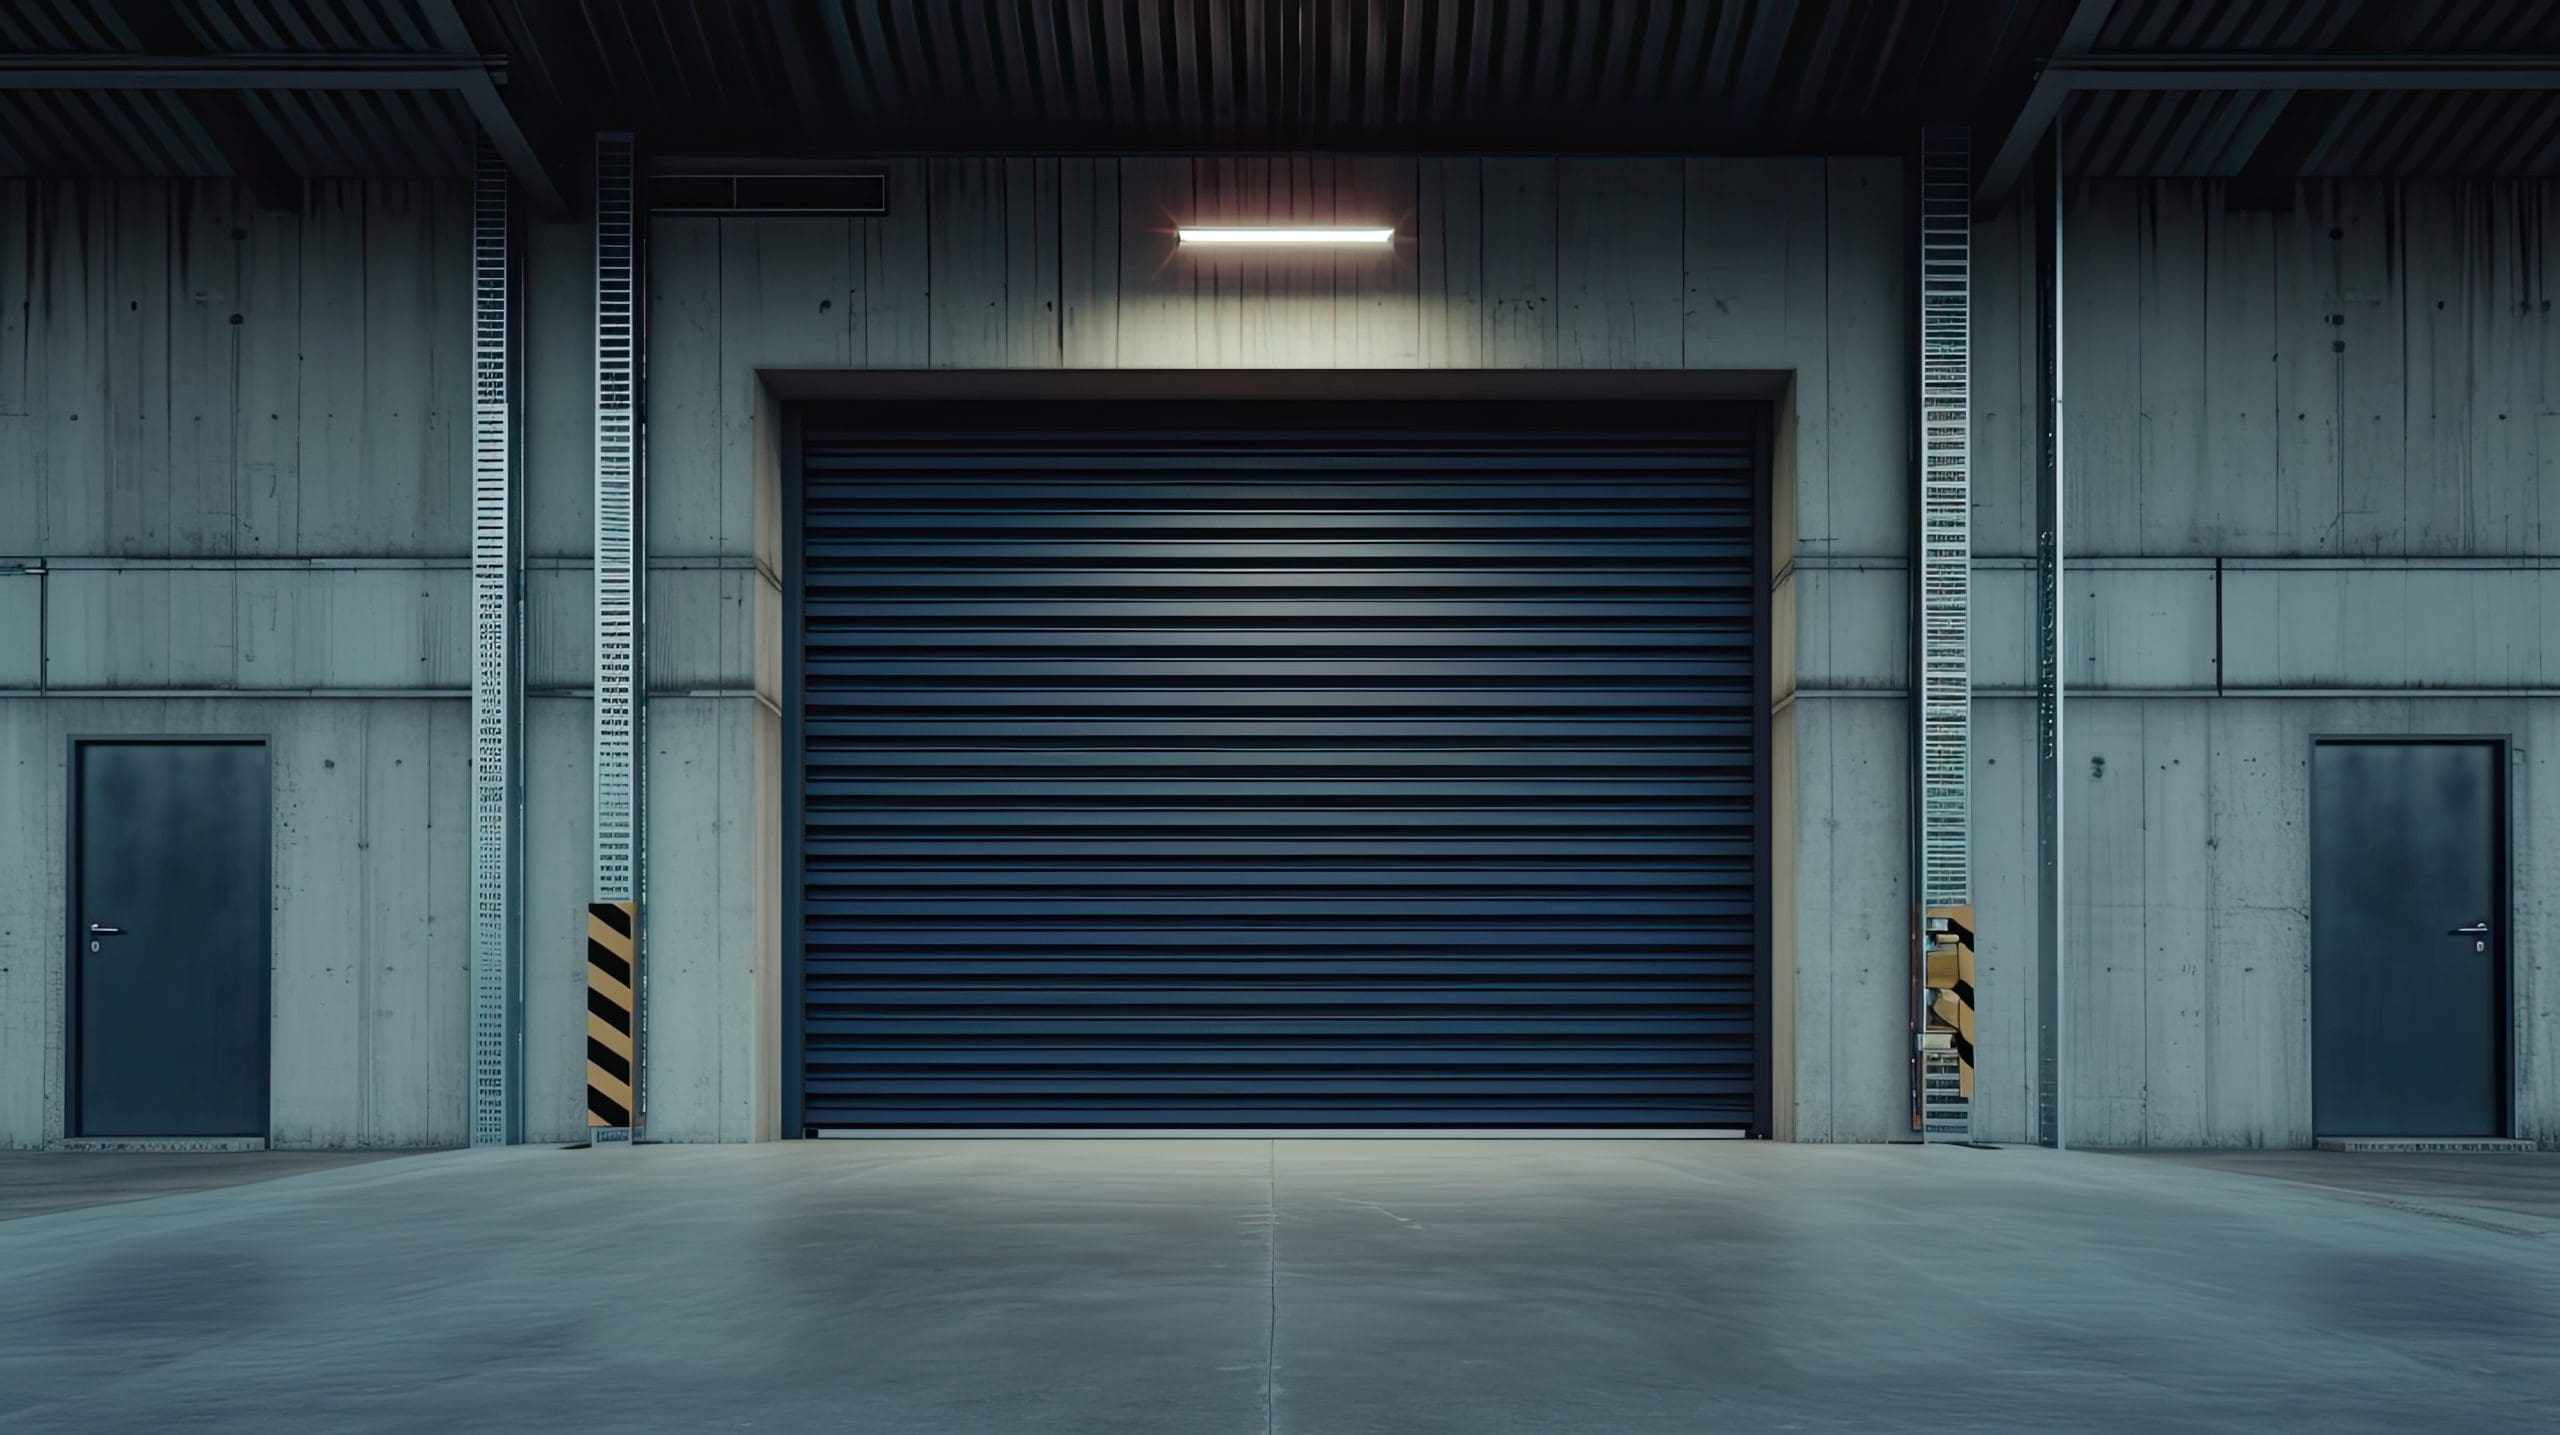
{"x":1278,"y":765}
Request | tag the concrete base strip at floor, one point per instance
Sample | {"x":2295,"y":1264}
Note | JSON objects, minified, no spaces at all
{"x":1324,"y":1287}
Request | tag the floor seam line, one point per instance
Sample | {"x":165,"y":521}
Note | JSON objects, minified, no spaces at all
{"x":1270,"y":1279}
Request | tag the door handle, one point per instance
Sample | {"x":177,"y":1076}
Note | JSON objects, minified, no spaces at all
{"x":2476,"y":929}
{"x":101,"y":929}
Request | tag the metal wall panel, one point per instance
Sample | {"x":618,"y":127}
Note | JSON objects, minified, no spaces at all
{"x":1268,"y":765}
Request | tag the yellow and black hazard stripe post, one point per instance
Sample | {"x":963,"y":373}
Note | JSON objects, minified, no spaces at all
{"x":612,"y":960}
{"x":1947,"y":972}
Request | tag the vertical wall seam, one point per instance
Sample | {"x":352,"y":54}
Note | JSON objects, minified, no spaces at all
{"x":367,"y":948}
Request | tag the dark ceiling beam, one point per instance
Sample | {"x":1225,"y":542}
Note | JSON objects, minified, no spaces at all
{"x":244,"y":144}
{"x":2036,"y":114}
{"x":245,"y":72}
{"x":2309,"y":72}
{"x":505,"y":133}
{"x":2065,"y":76}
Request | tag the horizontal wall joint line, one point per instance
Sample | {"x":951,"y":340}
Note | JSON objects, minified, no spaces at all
{"x":579,"y":563}
{"x":2327,"y":563}
{"x":2077,"y":691}
{"x":270,"y":694}
{"x":88,"y":563}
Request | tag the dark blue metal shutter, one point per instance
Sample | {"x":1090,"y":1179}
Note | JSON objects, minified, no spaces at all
{"x":1278,"y":765}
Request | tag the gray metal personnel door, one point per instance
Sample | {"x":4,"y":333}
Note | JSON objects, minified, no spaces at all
{"x":2408,"y":939}
{"x":169,"y":939}
{"x":1279,"y":765}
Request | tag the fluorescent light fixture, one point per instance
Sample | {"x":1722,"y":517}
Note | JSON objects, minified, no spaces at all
{"x":1294,"y":234}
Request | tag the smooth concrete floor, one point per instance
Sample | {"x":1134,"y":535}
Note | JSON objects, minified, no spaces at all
{"x":1323,"y":1287}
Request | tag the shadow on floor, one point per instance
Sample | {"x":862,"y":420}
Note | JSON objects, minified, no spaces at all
{"x":2521,"y":1184}
{"x":36,"y":1183}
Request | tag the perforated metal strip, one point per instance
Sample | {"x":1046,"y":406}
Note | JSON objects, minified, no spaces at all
{"x":617,"y":504}
{"x":1946,"y":556}
{"x":494,"y":1104}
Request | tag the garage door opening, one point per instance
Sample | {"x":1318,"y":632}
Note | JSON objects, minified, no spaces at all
{"x":1279,"y":764}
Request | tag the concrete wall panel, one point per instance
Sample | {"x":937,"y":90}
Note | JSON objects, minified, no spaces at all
{"x":21,"y":638}
{"x":704,"y":1072}
{"x":198,"y":379}
{"x":211,"y":626}
{"x":559,"y":390}
{"x":2392,"y":626}
{"x":1851,"y":625}
{"x":1864,"y":504}
{"x":559,"y":864}
{"x":1848,"y":915}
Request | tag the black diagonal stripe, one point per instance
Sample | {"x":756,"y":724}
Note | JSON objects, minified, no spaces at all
{"x":600,"y":955}
{"x":1964,"y":992}
{"x":603,"y":1006}
{"x":610,"y":1059}
{"x":612,"y":914}
{"x":1964,"y":1049}
{"x":605,"y":1106}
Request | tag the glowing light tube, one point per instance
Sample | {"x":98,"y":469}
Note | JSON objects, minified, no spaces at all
{"x":1293,"y":235}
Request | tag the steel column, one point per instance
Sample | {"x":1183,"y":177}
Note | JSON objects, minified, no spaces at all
{"x":619,"y":730}
{"x":1943,"y":656}
{"x":496,"y":672}
{"x":2051,"y":1125}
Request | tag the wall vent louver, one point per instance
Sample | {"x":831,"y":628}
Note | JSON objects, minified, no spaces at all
{"x":768,"y":194}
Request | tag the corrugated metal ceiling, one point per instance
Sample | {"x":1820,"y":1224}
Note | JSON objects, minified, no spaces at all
{"x":977,"y":75}
{"x":843,"y":76}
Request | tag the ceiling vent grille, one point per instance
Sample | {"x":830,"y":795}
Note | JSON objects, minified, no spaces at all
{"x":766,"y":194}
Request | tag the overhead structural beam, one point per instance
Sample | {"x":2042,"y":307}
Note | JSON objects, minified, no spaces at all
{"x":2043,"y":104}
{"x":480,"y":92}
{"x":506,"y":134}
{"x":247,"y":72}
{"x":475,"y":78}
{"x":2068,"y":74}
{"x":2308,"y":72}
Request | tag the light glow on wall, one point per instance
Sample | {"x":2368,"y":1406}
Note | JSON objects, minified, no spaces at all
{"x":1300,"y":235}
